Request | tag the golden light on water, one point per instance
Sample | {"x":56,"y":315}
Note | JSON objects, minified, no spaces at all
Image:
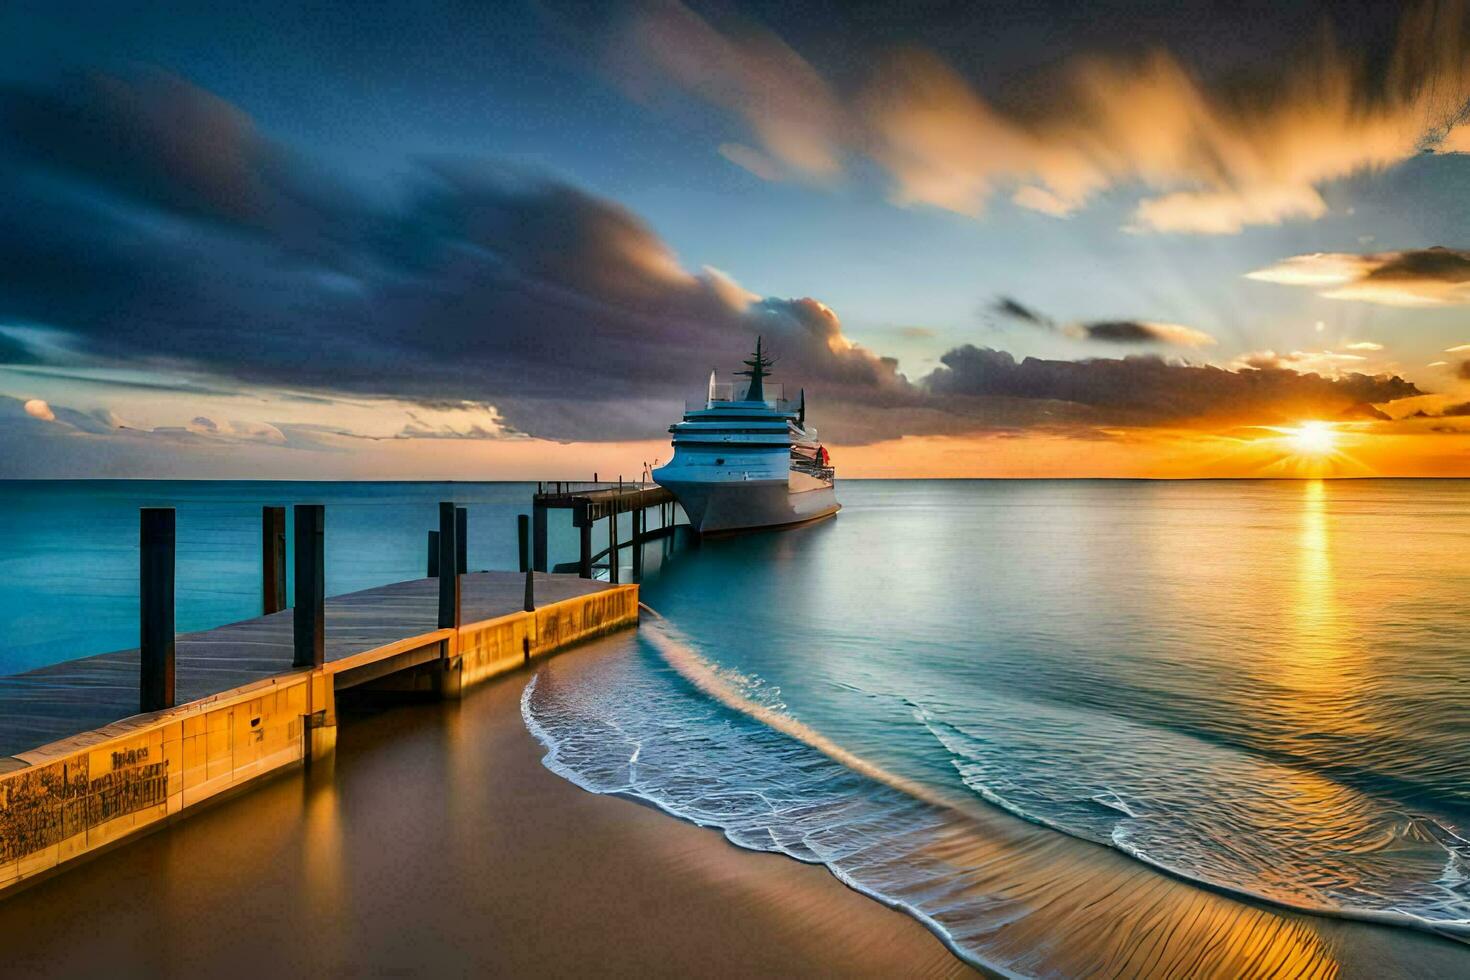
{"x":1315,"y":611}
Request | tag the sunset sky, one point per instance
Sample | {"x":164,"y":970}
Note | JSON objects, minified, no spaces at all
{"x":507,"y":241}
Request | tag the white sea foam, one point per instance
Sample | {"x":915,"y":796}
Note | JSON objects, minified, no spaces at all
{"x":752,"y":775}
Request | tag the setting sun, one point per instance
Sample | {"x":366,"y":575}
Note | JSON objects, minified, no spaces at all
{"x":1312,"y":439}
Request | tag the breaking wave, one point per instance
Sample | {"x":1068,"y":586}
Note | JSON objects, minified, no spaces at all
{"x":715,"y":747}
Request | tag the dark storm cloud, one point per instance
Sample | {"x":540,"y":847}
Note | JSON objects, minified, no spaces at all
{"x":209,"y":251}
{"x":157,"y":140}
{"x":204,"y":246}
{"x":1151,"y":391}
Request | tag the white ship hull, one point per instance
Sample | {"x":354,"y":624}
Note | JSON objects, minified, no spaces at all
{"x":748,"y":461}
{"x":715,"y":508}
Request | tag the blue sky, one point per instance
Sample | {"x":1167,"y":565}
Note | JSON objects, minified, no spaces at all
{"x":895,"y":205}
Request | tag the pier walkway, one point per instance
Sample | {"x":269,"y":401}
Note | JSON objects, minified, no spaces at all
{"x":63,"y":700}
{"x":82,"y":769}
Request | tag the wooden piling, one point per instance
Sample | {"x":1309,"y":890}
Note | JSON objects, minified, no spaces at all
{"x":156,"y":608}
{"x":448,"y":562}
{"x":272,"y":559}
{"x":612,"y":545}
{"x":583,"y":520}
{"x":461,"y":540}
{"x":433,"y":563}
{"x":638,"y":518}
{"x":309,"y":616}
{"x":538,"y":532}
{"x":523,"y":541}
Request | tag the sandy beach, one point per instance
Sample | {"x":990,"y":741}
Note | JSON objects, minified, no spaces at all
{"x":438,"y":845}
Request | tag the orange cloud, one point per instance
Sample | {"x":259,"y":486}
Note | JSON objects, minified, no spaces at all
{"x":1215,"y":158}
{"x":1222,"y":159}
{"x":1324,"y":362}
{"x":36,"y":408}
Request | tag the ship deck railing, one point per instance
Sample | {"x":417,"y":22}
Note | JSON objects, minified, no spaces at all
{"x":733,"y":393}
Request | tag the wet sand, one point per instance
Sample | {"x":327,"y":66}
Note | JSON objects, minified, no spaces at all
{"x":438,"y":845}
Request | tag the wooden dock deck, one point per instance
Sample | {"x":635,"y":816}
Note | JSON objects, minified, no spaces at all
{"x":65,"y":699}
{"x":81,"y":768}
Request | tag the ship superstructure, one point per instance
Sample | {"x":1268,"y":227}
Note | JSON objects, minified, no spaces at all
{"x":746,"y":458}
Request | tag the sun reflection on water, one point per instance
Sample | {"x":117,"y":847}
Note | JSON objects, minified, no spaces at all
{"x":1311,"y":663}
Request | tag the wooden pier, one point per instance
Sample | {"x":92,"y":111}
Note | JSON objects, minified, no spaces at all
{"x":593,"y":502}
{"x":97,"y":749}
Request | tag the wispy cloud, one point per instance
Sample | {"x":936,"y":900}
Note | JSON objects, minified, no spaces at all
{"x":1435,"y":276}
{"x":753,"y":160}
{"x":1325,"y":362}
{"x":788,"y":107}
{"x":1107,"y":331}
{"x":1144,"y":332}
{"x":1213,"y":157}
{"x":1221,"y":157}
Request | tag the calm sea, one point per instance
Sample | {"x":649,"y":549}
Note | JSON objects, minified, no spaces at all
{"x":1261,"y":687}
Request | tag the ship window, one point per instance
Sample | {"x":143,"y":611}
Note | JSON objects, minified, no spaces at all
{"x":719,"y":462}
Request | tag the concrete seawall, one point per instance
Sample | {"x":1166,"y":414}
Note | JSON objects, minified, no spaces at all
{"x":90,"y":790}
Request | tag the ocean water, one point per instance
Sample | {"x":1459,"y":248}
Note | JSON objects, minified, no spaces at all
{"x":1262,"y":688}
{"x":1078,"y":728}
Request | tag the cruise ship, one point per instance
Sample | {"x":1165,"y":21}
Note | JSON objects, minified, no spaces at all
{"x":745,"y":458}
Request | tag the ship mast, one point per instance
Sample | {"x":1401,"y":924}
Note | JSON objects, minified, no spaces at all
{"x":758,"y":366}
